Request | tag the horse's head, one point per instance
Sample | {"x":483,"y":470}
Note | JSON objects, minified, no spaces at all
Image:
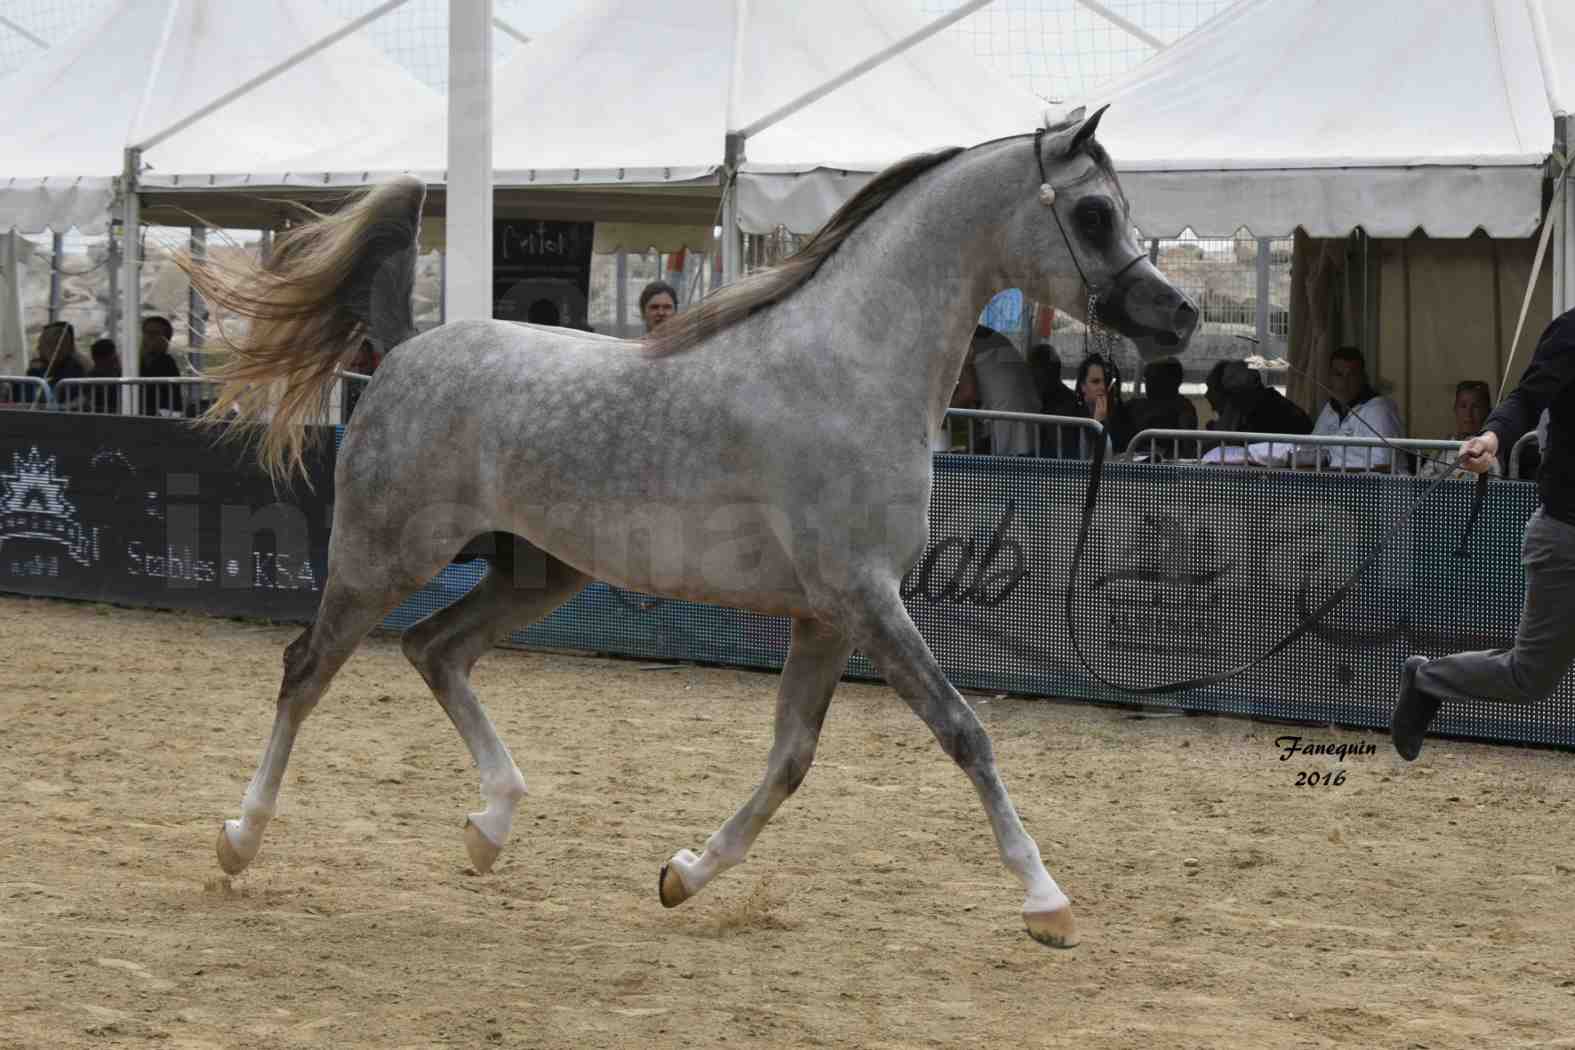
{"x":1077,"y":228}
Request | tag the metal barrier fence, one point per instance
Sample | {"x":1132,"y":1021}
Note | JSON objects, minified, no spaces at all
{"x":351,"y":386}
{"x":1069,"y":437}
{"x":186,"y":397}
{"x":1528,"y":441}
{"x":167,"y":398}
{"x":29,"y":392}
{"x":1314,"y":452}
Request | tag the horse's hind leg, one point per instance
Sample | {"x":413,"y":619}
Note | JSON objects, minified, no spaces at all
{"x":884,"y":631}
{"x":344,"y":617}
{"x":815,"y":662}
{"x":446,"y":645}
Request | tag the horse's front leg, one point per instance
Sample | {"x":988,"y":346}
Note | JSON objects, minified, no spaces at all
{"x":885,"y":632}
{"x":816,"y":659}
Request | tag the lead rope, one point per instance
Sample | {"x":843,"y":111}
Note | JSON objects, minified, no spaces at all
{"x":1095,"y":335}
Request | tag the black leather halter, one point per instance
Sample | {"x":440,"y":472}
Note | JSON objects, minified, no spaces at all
{"x":1044,"y":180}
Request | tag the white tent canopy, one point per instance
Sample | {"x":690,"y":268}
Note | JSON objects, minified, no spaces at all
{"x":617,"y":96}
{"x":139,"y":67}
{"x":1392,"y":115}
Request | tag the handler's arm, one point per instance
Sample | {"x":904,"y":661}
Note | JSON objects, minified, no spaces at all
{"x":1552,"y":367}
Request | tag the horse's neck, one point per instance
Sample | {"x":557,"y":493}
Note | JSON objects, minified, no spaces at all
{"x":918,"y":272}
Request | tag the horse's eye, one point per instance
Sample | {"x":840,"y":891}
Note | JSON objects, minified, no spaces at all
{"x":1094,"y":218}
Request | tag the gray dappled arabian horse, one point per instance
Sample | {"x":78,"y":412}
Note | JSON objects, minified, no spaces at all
{"x":767,"y":449}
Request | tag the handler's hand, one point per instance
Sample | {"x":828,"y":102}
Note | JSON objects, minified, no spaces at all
{"x":1479,"y":454}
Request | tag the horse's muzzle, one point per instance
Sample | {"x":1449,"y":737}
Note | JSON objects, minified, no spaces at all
{"x":1150,"y":311}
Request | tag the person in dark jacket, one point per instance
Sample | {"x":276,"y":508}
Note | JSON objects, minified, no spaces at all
{"x":1545,"y":642}
{"x":1163,"y":407}
{"x":158,"y":363}
{"x":56,"y":358}
{"x":1055,"y":399}
{"x":1252,"y":405}
{"x":104,"y":399}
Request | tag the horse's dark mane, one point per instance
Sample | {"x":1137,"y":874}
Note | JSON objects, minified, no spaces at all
{"x":768,"y":287}
{"x":760,"y":290}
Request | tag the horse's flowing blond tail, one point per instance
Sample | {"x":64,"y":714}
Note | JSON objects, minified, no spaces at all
{"x":328,"y":284}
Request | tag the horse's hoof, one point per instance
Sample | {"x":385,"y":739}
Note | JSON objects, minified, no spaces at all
{"x":1055,"y":928}
{"x":483,"y":854}
{"x":230,"y":858}
{"x":670,"y":887}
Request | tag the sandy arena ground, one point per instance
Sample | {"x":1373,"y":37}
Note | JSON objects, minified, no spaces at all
{"x":1430,"y":905}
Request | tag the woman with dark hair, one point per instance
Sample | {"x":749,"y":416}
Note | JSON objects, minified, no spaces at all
{"x":1099,"y":398}
{"x":57,"y":358}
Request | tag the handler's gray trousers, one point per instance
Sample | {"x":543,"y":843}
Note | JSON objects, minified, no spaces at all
{"x":1545,"y":642}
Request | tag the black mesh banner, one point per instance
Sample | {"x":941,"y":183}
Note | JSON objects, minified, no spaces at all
{"x":1189,"y":571}
{"x":146,"y":512}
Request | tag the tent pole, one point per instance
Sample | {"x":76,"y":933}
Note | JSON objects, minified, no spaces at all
{"x":113,"y":264}
{"x":732,"y":246}
{"x":1564,"y":243}
{"x":196,"y":306}
{"x":468,"y":295}
{"x":733,"y":151}
{"x":1261,"y":313}
{"x":12,"y":329}
{"x":130,"y":278}
{"x":621,"y":297}
{"x":57,"y":247}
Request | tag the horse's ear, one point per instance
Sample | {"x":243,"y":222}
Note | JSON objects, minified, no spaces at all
{"x":1085,"y":134}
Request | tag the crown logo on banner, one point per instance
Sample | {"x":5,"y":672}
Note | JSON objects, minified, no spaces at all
{"x":33,"y":485}
{"x":33,"y":506}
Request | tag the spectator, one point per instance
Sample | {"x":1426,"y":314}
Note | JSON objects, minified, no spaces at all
{"x":1005,"y":385}
{"x":1473,"y":402}
{"x":159,"y":399}
{"x":105,"y":398}
{"x":658,"y":302}
{"x":56,"y":358}
{"x":1162,"y":406}
{"x":1357,"y":410}
{"x":1252,"y":405}
{"x":1099,"y":398}
{"x":1214,"y":394}
{"x":1055,"y":399}
{"x":953,"y":432}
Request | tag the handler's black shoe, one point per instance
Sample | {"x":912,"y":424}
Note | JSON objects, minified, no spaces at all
{"x":1413,"y":711}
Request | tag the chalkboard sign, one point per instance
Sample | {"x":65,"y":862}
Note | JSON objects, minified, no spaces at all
{"x":541,"y":271}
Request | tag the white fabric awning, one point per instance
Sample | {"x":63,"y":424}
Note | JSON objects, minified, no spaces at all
{"x":140,"y":66}
{"x":615,"y":96}
{"x":800,"y":201}
{"x":36,"y":205}
{"x":1441,"y":200}
{"x":1391,"y":115}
